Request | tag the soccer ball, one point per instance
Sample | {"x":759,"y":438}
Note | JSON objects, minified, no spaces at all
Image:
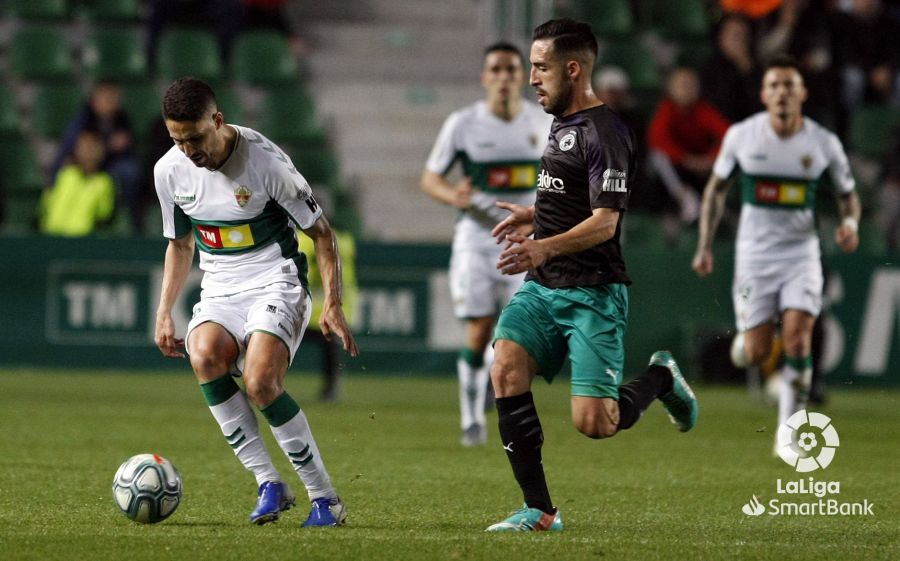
{"x":147,"y":488}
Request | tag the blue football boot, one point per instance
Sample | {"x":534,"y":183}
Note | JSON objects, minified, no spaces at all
{"x":327,"y":511}
{"x":274,"y":498}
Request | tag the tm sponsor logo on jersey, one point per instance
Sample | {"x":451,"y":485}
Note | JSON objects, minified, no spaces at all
{"x":550,"y":184}
{"x":614,"y":180}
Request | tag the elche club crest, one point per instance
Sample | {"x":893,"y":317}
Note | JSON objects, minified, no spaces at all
{"x":242,"y":195}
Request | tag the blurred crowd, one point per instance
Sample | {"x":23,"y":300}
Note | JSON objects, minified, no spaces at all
{"x":849,"y":50}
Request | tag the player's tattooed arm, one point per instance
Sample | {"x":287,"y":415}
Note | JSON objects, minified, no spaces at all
{"x":847,"y":233}
{"x":332,"y":320}
{"x":711,"y":211}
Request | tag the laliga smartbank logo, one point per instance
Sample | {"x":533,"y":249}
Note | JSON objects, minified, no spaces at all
{"x":807,"y":442}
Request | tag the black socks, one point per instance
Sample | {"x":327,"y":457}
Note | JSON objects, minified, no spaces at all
{"x":522,"y":436}
{"x":638,"y":394}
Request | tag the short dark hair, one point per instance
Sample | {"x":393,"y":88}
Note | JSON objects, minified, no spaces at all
{"x":188,"y":99}
{"x":569,"y":36}
{"x":504,"y":47}
{"x":783,"y":60}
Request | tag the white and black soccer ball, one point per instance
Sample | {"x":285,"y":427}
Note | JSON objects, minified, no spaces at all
{"x":147,"y":488}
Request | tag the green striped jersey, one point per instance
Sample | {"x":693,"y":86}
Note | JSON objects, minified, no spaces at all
{"x":242,"y":216}
{"x":779,"y":180}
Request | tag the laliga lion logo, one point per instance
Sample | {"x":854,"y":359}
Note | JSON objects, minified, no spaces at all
{"x":801,"y":435}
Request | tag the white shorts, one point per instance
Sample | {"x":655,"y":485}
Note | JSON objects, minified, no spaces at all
{"x":280,"y":309}
{"x":762,"y":293}
{"x":478,"y":289}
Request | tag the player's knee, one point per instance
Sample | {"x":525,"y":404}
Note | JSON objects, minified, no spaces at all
{"x":758,"y":353}
{"x":597,"y":430}
{"x":262,"y":390}
{"x":206,"y":362}
{"x":595,"y":426}
{"x":505,"y":378}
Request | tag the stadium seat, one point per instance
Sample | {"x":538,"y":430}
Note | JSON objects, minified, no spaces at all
{"x":39,"y":9}
{"x":230,"y":105}
{"x":871,"y":127}
{"x":112,"y":10}
{"x":685,"y":19}
{"x":189,"y":51}
{"x":317,"y":165}
{"x":54,"y":107}
{"x":289,"y":116}
{"x":40,"y":53}
{"x":114,"y":54}
{"x":9,"y":117}
{"x":610,"y":19}
{"x":263,"y":58}
{"x":19,"y":165}
{"x":21,"y":212}
{"x":143,"y":104}
{"x":636,"y":60}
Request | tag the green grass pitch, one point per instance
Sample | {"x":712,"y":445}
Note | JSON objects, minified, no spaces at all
{"x":412,"y":492}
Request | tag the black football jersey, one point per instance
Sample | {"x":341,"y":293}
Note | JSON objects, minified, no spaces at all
{"x":588,"y":164}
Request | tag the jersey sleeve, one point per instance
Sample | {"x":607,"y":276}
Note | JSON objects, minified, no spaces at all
{"x":292,"y":192}
{"x":727,"y":158}
{"x":609,"y":154}
{"x":176,"y":224}
{"x":445,"y":148}
{"x":839,"y":166}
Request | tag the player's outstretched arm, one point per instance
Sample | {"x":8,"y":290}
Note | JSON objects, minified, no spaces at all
{"x":711,"y":211}
{"x":332,"y":320}
{"x":179,"y":256}
{"x":847,"y":233}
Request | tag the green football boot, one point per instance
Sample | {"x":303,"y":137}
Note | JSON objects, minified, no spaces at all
{"x":529,"y":520}
{"x":680,"y":403}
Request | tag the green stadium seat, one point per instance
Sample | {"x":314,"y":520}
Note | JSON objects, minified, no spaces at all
{"x":39,"y":9}
{"x":289,"y":116}
{"x":636,"y":60}
{"x":54,"y":108}
{"x":21,"y":212}
{"x":230,"y":105}
{"x":9,"y":117}
{"x":871,"y":128}
{"x":115,"y":54}
{"x":685,"y":19}
{"x":19,"y":165}
{"x":610,"y":19}
{"x":112,"y":10}
{"x":318,"y":165}
{"x":189,"y":51}
{"x":264,"y":58}
{"x":40,"y":53}
{"x":142,"y":102}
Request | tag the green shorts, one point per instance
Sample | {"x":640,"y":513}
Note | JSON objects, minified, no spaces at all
{"x":585,"y":323}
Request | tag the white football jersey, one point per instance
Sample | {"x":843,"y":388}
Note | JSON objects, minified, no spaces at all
{"x":243,"y":215}
{"x":779,"y":180}
{"x":502,"y":159}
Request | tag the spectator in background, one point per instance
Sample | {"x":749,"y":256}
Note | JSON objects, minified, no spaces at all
{"x":103,"y":115}
{"x":273,"y":14}
{"x":223,"y":17}
{"x":83,"y":196}
{"x":730,"y":77}
{"x":685,"y":134}
{"x":869,"y":53}
{"x":889,"y":196}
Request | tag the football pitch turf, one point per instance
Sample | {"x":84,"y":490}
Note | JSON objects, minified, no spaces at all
{"x":391,"y":446}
